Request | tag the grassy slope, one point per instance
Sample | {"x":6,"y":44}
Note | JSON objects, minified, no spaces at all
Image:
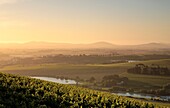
{"x":66,"y":70}
{"x":96,"y":70}
{"x":149,"y":79}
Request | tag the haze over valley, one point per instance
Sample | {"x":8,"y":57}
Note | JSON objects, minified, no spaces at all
{"x":84,"y":54}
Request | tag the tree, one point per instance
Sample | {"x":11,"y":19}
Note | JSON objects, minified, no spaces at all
{"x":92,"y":80}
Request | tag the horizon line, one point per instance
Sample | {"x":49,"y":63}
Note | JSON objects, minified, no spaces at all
{"x":53,"y":42}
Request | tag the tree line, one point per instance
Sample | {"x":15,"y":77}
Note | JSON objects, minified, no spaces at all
{"x":149,"y":70}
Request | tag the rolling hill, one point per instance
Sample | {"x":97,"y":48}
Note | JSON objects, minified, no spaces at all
{"x":97,"y":45}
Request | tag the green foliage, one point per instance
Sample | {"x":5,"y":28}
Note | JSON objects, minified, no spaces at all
{"x":112,"y":80}
{"x":24,"y":92}
{"x":152,"y":70}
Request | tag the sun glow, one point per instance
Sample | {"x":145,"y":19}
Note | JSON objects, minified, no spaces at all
{"x":46,"y":22}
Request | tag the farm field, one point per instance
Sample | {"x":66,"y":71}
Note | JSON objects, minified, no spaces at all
{"x":148,"y":79}
{"x":98,"y":71}
{"x":88,"y":71}
{"x":85,"y":71}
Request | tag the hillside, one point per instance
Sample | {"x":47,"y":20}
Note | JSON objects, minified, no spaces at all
{"x":25,"y":92}
{"x":73,"y":70}
{"x":96,"y":45}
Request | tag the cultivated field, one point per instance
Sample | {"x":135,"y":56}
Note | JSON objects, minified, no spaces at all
{"x":85,"y":71}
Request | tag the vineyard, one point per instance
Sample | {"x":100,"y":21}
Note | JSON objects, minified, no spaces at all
{"x":25,"y":92}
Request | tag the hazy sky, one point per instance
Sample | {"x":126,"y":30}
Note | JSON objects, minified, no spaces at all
{"x":85,"y":21}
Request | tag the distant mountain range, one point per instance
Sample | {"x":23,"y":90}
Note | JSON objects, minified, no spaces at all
{"x":97,"y":45}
